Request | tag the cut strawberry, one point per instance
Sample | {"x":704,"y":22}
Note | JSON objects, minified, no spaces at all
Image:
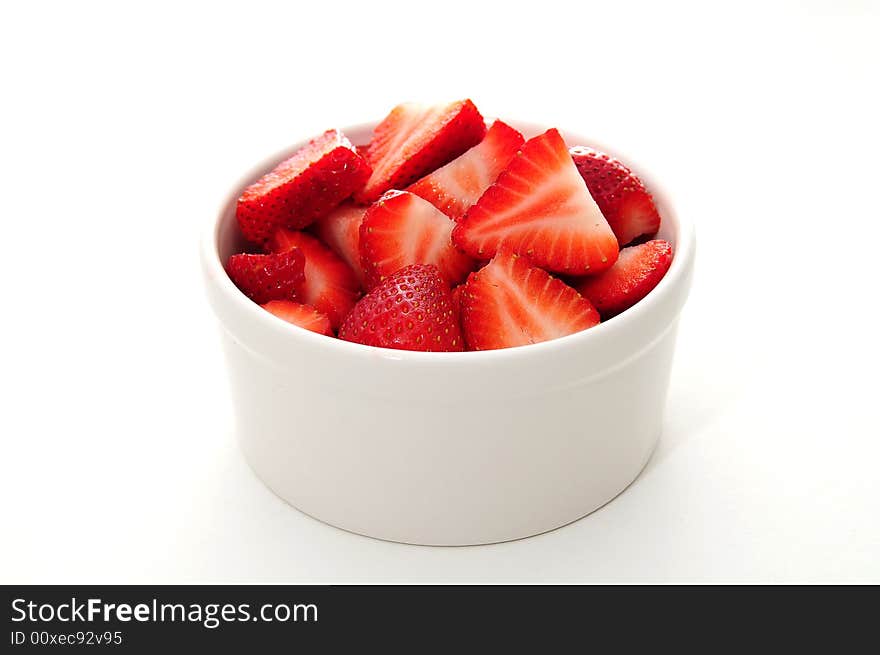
{"x":268,"y":277}
{"x":330,"y":286}
{"x":402,"y":229}
{"x":458,"y":185}
{"x":340,"y":230}
{"x":638,"y":270}
{"x":413,"y":140}
{"x":456,"y":310}
{"x":302,"y":188}
{"x":623,"y":199}
{"x":302,"y":315}
{"x":539,"y":206}
{"x":410,"y":310}
{"x":511,"y":303}
{"x":456,"y":299}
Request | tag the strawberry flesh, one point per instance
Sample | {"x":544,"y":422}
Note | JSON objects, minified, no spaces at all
{"x":455,"y":187}
{"x":625,"y":202}
{"x":540,"y":207}
{"x":302,"y":315}
{"x":638,"y":270}
{"x":341,"y":230}
{"x":456,"y":299}
{"x":410,"y":310}
{"x":302,"y":188}
{"x":414,"y":140}
{"x":401,"y":229}
{"x":268,"y":277}
{"x":330,"y":286}
{"x":511,"y":303}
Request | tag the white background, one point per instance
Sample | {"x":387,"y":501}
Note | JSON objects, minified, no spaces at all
{"x":123,"y":127}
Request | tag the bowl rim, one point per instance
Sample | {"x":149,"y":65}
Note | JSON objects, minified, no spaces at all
{"x":677,"y":275}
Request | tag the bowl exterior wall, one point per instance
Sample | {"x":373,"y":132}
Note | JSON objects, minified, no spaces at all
{"x":462,"y":470}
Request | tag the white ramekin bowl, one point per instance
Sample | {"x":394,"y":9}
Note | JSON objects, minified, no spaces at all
{"x":448,"y":448}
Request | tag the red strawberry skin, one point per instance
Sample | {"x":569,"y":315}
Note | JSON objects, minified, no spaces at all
{"x":511,"y":303}
{"x":455,"y":187}
{"x":456,"y":309}
{"x":330,"y":286}
{"x":625,"y":202}
{"x":302,"y":315}
{"x":401,"y":229}
{"x":540,"y":207}
{"x":410,"y":310}
{"x":638,"y":270}
{"x":302,"y":188}
{"x":456,"y":299}
{"x":341,"y":231}
{"x":268,"y":277}
{"x":414,"y":140}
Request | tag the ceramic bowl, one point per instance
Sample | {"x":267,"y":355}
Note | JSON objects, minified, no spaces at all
{"x":448,"y":448}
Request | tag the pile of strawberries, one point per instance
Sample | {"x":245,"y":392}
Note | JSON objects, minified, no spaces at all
{"x":443,"y":235}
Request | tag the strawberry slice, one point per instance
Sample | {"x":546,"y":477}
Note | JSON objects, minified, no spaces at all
{"x":302,"y":315}
{"x":330,"y":286}
{"x":638,"y":270}
{"x":402,"y":229}
{"x":511,"y":303}
{"x":268,"y":277}
{"x":455,"y":187}
{"x":302,"y":188}
{"x":539,"y":206}
{"x":413,"y":140}
{"x":456,"y":299}
{"x":410,"y":310}
{"x":341,"y":230}
{"x":623,"y":199}
{"x":456,"y":310}
{"x":362,"y":149}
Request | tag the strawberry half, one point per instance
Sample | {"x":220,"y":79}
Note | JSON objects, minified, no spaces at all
{"x":456,"y":309}
{"x":268,"y":277}
{"x":302,"y":188}
{"x":638,"y":270}
{"x":410,"y":310}
{"x":511,"y":303}
{"x":340,"y":230}
{"x":623,"y":199}
{"x":539,"y":206}
{"x":413,"y":140}
{"x":456,"y":299}
{"x":455,"y":187}
{"x":302,"y":315}
{"x":330,"y":286}
{"x":362,"y":149}
{"x":402,"y":229}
